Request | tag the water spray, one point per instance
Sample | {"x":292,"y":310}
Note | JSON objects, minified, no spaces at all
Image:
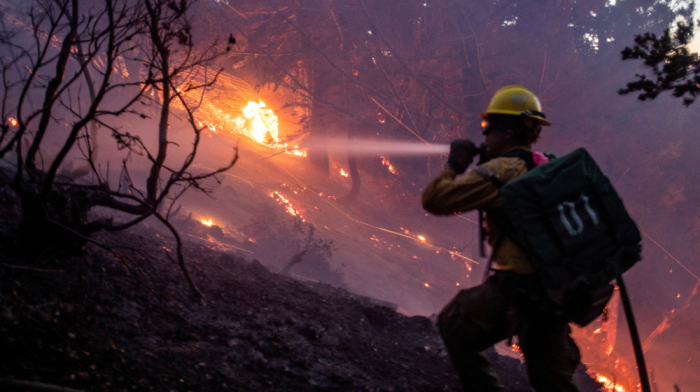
{"x":366,"y":147}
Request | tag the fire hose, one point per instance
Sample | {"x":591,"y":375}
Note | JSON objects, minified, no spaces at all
{"x":634,"y":334}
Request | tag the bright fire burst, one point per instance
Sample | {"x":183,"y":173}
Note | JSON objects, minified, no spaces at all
{"x":239,"y":110}
{"x":344,"y":173}
{"x":610,"y":385}
{"x":206,"y":222}
{"x":260,"y":122}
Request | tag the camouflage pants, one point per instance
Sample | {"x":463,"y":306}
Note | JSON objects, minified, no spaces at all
{"x":507,"y":304}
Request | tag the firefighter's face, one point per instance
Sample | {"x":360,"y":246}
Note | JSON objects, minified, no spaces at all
{"x":497,"y":140}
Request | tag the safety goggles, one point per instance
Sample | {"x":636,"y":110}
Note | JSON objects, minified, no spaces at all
{"x":487,"y":127}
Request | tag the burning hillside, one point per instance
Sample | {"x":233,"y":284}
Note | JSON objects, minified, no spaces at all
{"x":302,"y":134}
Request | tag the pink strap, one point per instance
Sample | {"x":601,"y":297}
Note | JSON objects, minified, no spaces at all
{"x":539,"y":158}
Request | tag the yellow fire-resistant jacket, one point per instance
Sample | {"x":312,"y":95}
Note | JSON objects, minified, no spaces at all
{"x":447,"y":195}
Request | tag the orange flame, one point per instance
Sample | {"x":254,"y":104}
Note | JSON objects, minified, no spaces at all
{"x":610,"y":385}
{"x":344,"y":173}
{"x":13,"y":122}
{"x":386,"y":162}
{"x":260,"y":122}
{"x":208,"y":223}
{"x":283,"y":201}
{"x":295,"y":151}
{"x":237,"y":110}
{"x":598,"y":345}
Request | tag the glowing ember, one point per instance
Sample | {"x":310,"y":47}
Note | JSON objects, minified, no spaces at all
{"x":208,"y":223}
{"x":13,"y":122}
{"x":386,"y":162}
{"x":426,"y":285}
{"x":295,"y":151}
{"x":421,"y":238}
{"x":610,"y":385}
{"x":344,"y":173}
{"x":283,"y":201}
{"x":515,"y":347}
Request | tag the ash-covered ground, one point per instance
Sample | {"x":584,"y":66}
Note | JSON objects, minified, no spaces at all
{"x":126,"y":321}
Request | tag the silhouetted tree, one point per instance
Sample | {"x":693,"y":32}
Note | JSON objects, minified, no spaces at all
{"x":55,"y":52}
{"x":673,"y":66}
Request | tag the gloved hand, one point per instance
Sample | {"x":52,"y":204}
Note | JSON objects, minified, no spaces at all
{"x":462,"y":152}
{"x":483,"y":155}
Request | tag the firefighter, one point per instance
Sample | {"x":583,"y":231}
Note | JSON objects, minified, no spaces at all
{"x":511,"y":302}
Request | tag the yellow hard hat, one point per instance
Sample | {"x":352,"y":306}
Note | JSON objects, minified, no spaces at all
{"x":516,"y":100}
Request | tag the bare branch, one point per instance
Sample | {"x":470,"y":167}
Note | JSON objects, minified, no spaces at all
{"x":54,"y":84}
{"x":180,"y":259}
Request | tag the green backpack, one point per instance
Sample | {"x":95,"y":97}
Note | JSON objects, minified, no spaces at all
{"x":572,"y":225}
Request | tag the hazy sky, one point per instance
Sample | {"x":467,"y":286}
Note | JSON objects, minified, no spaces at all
{"x":695,"y":45}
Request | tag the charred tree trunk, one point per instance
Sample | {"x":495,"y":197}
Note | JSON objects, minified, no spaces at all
{"x":467,"y":50}
{"x":351,"y":197}
{"x":318,"y":151}
{"x":52,"y":223}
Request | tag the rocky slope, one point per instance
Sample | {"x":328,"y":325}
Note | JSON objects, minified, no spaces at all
{"x":125,"y":321}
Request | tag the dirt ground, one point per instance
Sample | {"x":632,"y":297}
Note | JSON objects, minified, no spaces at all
{"x":101,"y":321}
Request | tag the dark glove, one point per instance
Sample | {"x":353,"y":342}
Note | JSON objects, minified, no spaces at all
{"x":483,"y":155}
{"x":462,"y":152}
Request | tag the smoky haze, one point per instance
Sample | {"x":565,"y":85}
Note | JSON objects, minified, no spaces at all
{"x":372,"y":92}
{"x":425,"y":69}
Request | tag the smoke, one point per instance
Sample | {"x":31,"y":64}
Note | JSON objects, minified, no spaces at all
{"x":649,"y":151}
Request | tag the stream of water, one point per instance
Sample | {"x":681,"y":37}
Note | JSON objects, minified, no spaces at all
{"x":360,"y":147}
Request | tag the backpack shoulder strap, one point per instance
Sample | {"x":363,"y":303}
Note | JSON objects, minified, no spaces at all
{"x":497,"y":214}
{"x":523,"y":154}
{"x":489,"y":175}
